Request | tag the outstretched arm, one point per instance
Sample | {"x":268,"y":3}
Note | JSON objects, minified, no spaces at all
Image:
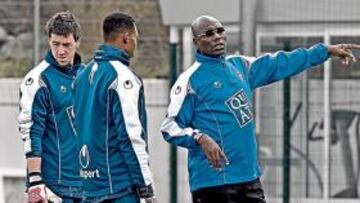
{"x":270,"y":68}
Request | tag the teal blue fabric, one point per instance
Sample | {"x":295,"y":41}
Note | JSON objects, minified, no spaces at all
{"x":215,"y":96}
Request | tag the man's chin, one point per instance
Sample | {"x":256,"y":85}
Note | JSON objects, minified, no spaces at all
{"x":219,"y":52}
{"x":63,"y":64}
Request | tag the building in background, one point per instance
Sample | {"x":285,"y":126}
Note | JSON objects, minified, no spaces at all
{"x":17,"y":32}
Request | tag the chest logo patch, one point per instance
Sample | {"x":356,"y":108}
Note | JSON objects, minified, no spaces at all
{"x":84,"y":157}
{"x":128,"y":84}
{"x":62,"y":88}
{"x":29,"y":81}
{"x":177,"y":90}
{"x":217,"y":84}
{"x":240,"y":107}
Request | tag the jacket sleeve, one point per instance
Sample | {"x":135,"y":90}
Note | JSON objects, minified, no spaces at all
{"x":176,"y":127}
{"x":271,"y":68}
{"x":125,"y":106}
{"x":32,"y":116}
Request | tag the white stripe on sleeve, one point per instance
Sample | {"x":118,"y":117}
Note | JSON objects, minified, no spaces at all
{"x":29,"y":86}
{"x":128,"y":88}
{"x":177,"y":96}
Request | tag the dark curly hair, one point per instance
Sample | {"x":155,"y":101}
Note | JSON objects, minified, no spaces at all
{"x":64,"y":23}
{"x":116,"y":22}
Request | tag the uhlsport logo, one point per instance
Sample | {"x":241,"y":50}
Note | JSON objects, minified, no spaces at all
{"x":84,"y":157}
{"x":240,"y":107}
{"x":178,"y":90}
{"x":63,"y":88}
{"x":29,"y":81}
{"x":128,"y":84}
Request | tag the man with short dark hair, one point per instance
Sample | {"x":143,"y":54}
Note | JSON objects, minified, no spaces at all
{"x":210,"y":111}
{"x":111,"y":120}
{"x":46,"y":116}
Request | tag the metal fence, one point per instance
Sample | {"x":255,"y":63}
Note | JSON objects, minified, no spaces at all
{"x":324,"y":108}
{"x":324,"y":166}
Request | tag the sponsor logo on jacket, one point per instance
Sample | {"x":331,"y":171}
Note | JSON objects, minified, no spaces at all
{"x":84,"y":159}
{"x":240,"y":107}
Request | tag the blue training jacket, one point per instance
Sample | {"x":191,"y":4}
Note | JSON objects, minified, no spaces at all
{"x":214,"y":96}
{"x":111,"y":123}
{"x":46,"y":120}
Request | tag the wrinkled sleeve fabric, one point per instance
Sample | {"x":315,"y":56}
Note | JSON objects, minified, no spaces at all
{"x":126,"y":110}
{"x":270,"y":68}
{"x":32,"y":117}
{"x":176,"y":127}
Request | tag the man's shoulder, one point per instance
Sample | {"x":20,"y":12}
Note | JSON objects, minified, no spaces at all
{"x":94,"y":66}
{"x":121,"y":69}
{"x":233,"y":57}
{"x":240,"y":57}
{"x":37,"y":70}
{"x":125,"y":74}
{"x":33,"y":81}
{"x":246,"y":61}
{"x":186,"y":75}
{"x":184,"y":79}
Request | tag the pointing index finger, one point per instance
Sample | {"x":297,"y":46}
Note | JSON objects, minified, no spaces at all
{"x":352,"y":46}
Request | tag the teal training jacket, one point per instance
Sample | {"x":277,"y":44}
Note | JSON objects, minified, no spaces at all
{"x":111,"y":124}
{"x":46,"y":120}
{"x":214,"y":96}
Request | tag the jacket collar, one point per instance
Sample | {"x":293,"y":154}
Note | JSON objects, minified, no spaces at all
{"x":203,"y":58}
{"x":107,"y":52}
{"x":69,"y":70}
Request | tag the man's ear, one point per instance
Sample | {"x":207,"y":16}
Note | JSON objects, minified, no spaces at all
{"x":77,"y":43}
{"x":195,"y":40}
{"x":125,"y":38}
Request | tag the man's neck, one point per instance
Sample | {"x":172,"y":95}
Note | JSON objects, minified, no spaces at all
{"x":69,"y":65}
{"x":209,"y":55}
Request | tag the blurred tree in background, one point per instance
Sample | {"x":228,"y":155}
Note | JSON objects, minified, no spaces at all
{"x":16,"y":32}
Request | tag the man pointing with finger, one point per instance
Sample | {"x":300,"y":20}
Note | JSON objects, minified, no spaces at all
{"x":211,"y":114}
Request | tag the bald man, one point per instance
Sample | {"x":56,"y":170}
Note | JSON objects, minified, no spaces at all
{"x":211,"y":111}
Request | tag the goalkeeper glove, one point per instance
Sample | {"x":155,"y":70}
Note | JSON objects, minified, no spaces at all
{"x":38,"y":192}
{"x":146,"y":194}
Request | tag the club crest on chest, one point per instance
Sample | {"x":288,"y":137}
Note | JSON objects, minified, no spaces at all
{"x":240,"y":107}
{"x":217,"y":84}
{"x":62,"y":88}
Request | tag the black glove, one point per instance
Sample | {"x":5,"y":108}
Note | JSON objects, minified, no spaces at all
{"x":145,"y":192}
